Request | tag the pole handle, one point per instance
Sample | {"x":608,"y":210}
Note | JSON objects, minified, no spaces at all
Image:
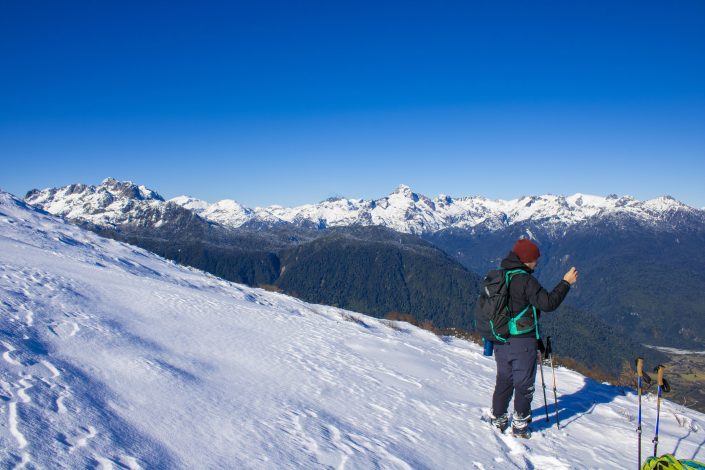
{"x":640,"y":371}
{"x":659,"y":374}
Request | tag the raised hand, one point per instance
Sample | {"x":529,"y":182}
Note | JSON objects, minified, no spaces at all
{"x":571,"y":277}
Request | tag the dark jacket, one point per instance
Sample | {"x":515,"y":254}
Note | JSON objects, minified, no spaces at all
{"x":525,"y":290}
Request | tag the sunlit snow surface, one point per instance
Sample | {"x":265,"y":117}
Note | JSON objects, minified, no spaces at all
{"x":112,"y":357}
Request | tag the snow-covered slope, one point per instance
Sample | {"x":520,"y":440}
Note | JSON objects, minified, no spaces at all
{"x":112,"y":357}
{"x":403,"y":210}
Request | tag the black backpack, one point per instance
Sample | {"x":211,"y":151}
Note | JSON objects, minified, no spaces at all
{"x":492,"y":313}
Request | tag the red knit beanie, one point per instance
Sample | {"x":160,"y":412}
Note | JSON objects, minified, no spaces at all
{"x":526,"y":250}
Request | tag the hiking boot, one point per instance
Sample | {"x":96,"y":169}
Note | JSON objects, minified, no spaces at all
{"x":520,"y":426}
{"x":524,"y":433}
{"x":501,"y":423}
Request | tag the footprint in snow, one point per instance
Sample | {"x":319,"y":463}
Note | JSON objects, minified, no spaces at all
{"x":7,"y":355}
{"x":65,"y":329}
{"x":79,"y":441}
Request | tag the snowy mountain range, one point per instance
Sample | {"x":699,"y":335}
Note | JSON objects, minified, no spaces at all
{"x":113,"y":357}
{"x":113,"y":203}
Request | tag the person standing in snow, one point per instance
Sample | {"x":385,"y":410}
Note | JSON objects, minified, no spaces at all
{"x":516,"y":359}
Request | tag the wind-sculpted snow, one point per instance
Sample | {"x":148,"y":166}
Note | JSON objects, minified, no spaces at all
{"x":113,"y":203}
{"x":112,"y":357}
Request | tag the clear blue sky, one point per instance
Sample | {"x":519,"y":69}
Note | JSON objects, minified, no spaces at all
{"x":294,"y":101}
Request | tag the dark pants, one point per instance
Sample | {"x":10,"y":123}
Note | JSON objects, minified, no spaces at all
{"x":516,"y":373}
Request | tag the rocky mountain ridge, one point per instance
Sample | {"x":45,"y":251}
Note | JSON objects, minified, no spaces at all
{"x":113,"y":203}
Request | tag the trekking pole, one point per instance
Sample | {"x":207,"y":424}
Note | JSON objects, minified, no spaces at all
{"x":549,"y":353}
{"x":662,"y":387}
{"x":641,"y":377}
{"x":543,"y":385}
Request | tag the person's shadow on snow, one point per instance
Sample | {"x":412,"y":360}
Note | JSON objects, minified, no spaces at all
{"x":574,"y":406}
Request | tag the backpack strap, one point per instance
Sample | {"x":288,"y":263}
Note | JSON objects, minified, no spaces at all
{"x":692,"y":465}
{"x":508,"y":275}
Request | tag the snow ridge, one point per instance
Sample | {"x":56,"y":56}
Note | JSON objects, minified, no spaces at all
{"x":406,"y":211}
{"x":403,"y":210}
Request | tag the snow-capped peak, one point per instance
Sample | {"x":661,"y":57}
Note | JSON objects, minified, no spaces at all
{"x":110,"y":203}
{"x":407,"y":211}
{"x":402,"y":210}
{"x":188,"y":202}
{"x":587,"y":200}
{"x":664,"y":203}
{"x":227,"y":212}
{"x":403,"y":190}
{"x":127,"y":189}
